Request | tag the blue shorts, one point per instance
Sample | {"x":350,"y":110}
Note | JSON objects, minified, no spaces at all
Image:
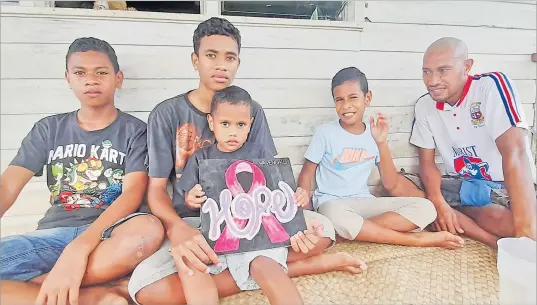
{"x":26,"y":256}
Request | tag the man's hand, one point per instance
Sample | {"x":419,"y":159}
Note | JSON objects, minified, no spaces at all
{"x":379,"y":130}
{"x":62,"y":284}
{"x":195,"y":197}
{"x":306,"y":240}
{"x":302,"y":197}
{"x":446,"y":219}
{"x":188,"y":243}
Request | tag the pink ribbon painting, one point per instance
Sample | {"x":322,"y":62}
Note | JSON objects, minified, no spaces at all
{"x":275,"y":231}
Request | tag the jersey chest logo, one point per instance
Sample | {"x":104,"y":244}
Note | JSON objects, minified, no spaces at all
{"x":471,"y":167}
{"x":477,"y":116}
{"x":468,"y":164}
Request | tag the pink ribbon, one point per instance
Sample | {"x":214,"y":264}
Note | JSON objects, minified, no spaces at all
{"x":275,"y":231}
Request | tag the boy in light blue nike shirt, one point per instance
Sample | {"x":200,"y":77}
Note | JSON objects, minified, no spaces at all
{"x":342,"y":155}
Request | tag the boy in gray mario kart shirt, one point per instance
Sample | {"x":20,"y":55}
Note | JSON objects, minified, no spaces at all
{"x":94,"y":159}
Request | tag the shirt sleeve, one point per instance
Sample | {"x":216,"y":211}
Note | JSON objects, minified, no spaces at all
{"x":137,"y":153}
{"x":160,"y":137}
{"x":421,"y":134}
{"x":260,"y":131}
{"x":503,"y":108}
{"x":33,"y":152}
{"x":190,"y":176}
{"x":317,"y":147}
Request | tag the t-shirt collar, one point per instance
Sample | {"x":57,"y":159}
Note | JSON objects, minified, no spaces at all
{"x":441,"y":105}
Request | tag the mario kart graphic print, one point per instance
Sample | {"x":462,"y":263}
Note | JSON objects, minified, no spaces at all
{"x":87,"y":182}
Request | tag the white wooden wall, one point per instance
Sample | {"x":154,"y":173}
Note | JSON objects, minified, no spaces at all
{"x":286,"y":65}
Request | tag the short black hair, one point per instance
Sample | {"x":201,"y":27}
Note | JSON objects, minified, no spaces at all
{"x":350,"y":74}
{"x":233,"y":95}
{"x":86,"y":44}
{"x":215,"y":26}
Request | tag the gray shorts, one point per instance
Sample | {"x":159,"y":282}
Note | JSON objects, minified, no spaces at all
{"x":451,"y":186}
{"x":161,"y":263}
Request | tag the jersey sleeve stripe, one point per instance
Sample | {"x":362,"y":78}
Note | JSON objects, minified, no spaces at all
{"x":503,"y":97}
{"x":512,"y":93}
{"x":510,"y":97}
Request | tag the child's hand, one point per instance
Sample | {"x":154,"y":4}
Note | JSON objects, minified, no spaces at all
{"x":306,"y":241}
{"x":302,"y":197}
{"x":379,"y":129}
{"x":195,"y":197}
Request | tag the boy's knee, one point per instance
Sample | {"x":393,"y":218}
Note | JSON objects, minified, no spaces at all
{"x":345,"y":222}
{"x":142,"y":236}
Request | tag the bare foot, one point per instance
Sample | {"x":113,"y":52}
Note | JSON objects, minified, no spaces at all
{"x":343,"y":261}
{"x":439,"y":239}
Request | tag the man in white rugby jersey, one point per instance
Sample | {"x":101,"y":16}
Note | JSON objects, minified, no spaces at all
{"x":477,"y":124}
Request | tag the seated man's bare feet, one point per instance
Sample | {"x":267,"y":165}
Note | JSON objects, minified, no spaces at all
{"x":343,"y":261}
{"x":442,"y":239}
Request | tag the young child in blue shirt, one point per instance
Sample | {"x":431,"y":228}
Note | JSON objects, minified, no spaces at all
{"x":341,"y":156}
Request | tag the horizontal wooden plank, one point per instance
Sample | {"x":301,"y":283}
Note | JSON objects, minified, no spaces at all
{"x":418,"y":37}
{"x":144,"y":62}
{"x":282,"y":122}
{"x":155,"y":33}
{"x":499,"y":14}
{"x":18,"y":224}
{"x":26,"y":96}
{"x":33,"y":200}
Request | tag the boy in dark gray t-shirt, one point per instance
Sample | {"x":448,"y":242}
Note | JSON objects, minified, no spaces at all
{"x":94,"y":159}
{"x":176,"y":129}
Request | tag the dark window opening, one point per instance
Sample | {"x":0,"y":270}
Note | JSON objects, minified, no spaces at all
{"x":182,"y":7}
{"x":317,"y":10}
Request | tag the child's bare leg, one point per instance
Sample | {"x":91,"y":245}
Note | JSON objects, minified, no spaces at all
{"x":394,"y":221}
{"x":24,"y":293}
{"x":199,"y":288}
{"x":275,"y":283}
{"x":129,"y":244}
{"x":372,"y":232}
{"x":170,"y":290}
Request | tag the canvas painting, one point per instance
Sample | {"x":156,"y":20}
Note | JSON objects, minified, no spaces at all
{"x":249,"y":204}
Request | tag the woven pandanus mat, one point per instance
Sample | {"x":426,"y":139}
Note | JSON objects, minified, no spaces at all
{"x":400,"y":275}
